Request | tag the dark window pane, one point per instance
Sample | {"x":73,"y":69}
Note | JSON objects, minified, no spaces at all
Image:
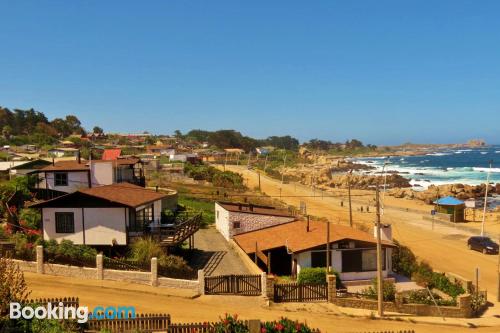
{"x":318,"y":259}
{"x":65,"y":223}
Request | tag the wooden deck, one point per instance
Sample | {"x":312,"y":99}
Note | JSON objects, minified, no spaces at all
{"x":179,"y":233}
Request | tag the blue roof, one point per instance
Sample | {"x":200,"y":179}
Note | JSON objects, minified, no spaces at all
{"x":449,"y":201}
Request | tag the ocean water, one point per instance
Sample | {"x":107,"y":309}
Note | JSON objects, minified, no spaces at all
{"x":447,"y":166}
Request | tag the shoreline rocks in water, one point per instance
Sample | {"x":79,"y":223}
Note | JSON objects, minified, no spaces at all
{"x":460,"y":191}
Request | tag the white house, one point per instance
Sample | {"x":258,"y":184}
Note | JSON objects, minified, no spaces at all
{"x":232,"y":219}
{"x":63,"y":151}
{"x":292,"y":246}
{"x":105,"y":215}
{"x":70,"y":176}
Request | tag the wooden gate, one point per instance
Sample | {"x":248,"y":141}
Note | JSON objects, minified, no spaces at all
{"x":294,"y":292}
{"x":246,"y":285}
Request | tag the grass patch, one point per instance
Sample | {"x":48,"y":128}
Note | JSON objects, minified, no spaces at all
{"x":206,"y":207}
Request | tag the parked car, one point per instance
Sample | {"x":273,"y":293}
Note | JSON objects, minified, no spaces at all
{"x":483,"y":244}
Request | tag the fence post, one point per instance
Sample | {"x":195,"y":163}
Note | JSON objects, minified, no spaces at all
{"x":270,"y":287}
{"x":263,"y":281}
{"x":99,"y":264}
{"x":39,"y":259}
{"x":154,"y":272}
{"x":464,"y":304}
{"x":254,"y":326}
{"x":201,"y":282}
{"x":331,"y":279}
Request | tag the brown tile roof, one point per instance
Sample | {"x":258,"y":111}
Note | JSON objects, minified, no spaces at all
{"x":254,"y":209}
{"x":67,"y":166}
{"x":124,"y":194}
{"x":295,"y":236}
{"x":84,"y":165}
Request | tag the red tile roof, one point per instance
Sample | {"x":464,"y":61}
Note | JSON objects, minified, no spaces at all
{"x":111,"y":154}
{"x":294,"y":235}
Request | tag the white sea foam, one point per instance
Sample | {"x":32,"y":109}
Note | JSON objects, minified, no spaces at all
{"x":438,"y":154}
{"x":486,"y":169}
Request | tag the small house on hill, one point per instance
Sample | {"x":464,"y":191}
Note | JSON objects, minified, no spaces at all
{"x":232,"y":218}
{"x":451,"y":206}
{"x":106,"y":215}
{"x":289,"y":247}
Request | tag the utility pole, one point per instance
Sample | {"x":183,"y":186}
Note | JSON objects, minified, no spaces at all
{"x":265,"y":163}
{"x":225,"y":162}
{"x":498,"y":272}
{"x":349,"y":193}
{"x":249,"y":156}
{"x":258,"y":173}
{"x":283,"y":172}
{"x":328,"y":260}
{"x":485,"y":199}
{"x":380,"y":278}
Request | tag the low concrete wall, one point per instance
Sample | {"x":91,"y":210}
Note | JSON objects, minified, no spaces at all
{"x":101,"y":273}
{"x":178,"y":283}
{"x":249,"y":264}
{"x":129,"y":276}
{"x":462,"y":310}
{"x":70,"y":271}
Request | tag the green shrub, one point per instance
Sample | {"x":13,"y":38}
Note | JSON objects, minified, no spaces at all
{"x":388,"y":290}
{"x":144,"y":249}
{"x":423,"y":297}
{"x":30,"y":218}
{"x":317,"y":275}
{"x":174,"y":266}
{"x":404,"y":262}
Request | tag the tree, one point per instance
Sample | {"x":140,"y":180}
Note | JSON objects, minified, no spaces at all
{"x":13,"y":287}
{"x":178,"y":134}
{"x":98,"y":130}
{"x":6,"y":132}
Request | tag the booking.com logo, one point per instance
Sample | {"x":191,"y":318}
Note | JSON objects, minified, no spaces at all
{"x":59,"y":311}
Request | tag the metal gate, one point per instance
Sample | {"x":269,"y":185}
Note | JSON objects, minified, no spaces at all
{"x":247,"y":285}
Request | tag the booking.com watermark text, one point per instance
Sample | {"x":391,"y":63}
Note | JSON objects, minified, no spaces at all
{"x":59,"y":311}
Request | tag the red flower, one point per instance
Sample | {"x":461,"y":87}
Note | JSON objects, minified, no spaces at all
{"x":298,"y":327}
{"x":279,"y":327}
{"x":34,"y":232}
{"x":29,"y":245}
{"x":13,"y":209}
{"x":226,"y":321}
{"x":22,"y":222}
{"x":263,"y":330}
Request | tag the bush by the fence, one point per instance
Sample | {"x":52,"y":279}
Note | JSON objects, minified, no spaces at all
{"x":405,"y":262}
{"x":423,"y":297}
{"x":316,"y":275}
{"x":388,"y":290}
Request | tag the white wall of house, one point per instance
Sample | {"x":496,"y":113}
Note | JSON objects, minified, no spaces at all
{"x":102,"y":225}
{"x":101,"y":173}
{"x":247,"y":221}
{"x":304,"y":260}
{"x":76,"y":180}
{"x":222,"y":221}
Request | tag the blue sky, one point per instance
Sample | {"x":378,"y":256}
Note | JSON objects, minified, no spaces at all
{"x":385,"y":72}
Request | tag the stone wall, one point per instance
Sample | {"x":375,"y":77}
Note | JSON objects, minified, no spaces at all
{"x":250,"y":222}
{"x":462,"y":310}
{"x":101,"y":273}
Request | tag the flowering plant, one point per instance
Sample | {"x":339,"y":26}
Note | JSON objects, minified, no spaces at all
{"x":285,"y":325}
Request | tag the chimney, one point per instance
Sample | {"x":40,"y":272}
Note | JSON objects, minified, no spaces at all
{"x":385,"y":232}
{"x":307,"y":228}
{"x":53,"y":161}
{"x":156,"y":188}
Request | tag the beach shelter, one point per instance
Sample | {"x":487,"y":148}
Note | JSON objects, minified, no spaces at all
{"x":452,"y":206}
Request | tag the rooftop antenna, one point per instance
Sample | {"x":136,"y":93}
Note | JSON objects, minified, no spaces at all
{"x":486,"y":198}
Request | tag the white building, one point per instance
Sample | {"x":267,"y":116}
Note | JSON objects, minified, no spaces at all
{"x":293,"y":246}
{"x":104,"y":215}
{"x":232,"y":219}
{"x":70,"y":176}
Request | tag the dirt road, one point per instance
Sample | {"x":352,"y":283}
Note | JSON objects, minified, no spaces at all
{"x":183,"y":308}
{"x":444,"y":247}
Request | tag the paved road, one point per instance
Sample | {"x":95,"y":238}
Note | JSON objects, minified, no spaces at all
{"x":444,"y":247}
{"x":217,"y":258}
